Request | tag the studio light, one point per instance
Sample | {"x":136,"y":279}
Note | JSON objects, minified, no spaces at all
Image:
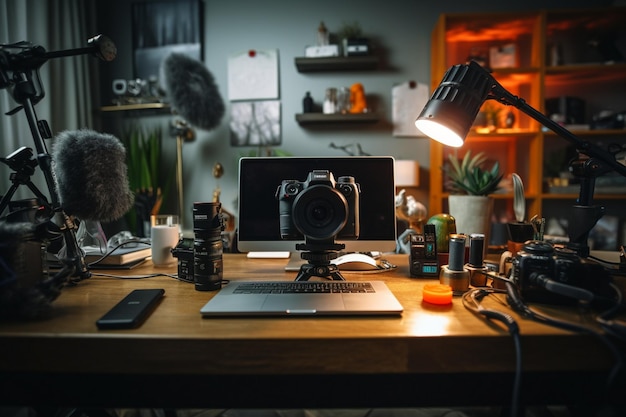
{"x":449,"y":114}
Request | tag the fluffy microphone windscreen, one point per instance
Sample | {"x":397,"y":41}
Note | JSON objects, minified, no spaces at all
{"x":91,"y":175}
{"x":191,"y":90}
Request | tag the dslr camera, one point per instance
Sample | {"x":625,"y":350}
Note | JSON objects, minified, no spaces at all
{"x":539,"y":261}
{"x":319,"y":208}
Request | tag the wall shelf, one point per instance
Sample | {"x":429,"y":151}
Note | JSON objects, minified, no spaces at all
{"x":305,"y":119}
{"x":132,"y":107}
{"x":337,"y":63}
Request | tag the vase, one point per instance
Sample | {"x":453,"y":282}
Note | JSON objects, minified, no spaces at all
{"x":472,"y":214}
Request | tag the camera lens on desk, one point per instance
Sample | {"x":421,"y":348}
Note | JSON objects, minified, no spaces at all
{"x":207,"y":246}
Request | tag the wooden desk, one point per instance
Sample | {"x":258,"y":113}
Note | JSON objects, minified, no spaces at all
{"x":431,"y":355}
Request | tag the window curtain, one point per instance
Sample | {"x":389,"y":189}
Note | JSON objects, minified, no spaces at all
{"x":68,"y":82}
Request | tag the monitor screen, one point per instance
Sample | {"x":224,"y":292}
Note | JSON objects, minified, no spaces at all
{"x":261,"y":229}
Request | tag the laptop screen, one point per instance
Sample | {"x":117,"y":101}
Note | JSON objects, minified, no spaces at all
{"x":259,"y":227}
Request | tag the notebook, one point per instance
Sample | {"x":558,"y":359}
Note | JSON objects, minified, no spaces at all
{"x":303,"y":298}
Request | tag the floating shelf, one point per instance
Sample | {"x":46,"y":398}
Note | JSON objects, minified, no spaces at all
{"x":321,"y":118}
{"x":140,"y":106}
{"x":337,"y":63}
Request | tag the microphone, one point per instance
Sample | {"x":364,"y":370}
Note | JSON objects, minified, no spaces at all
{"x":91,"y":175}
{"x":192,"y":90}
{"x":25,"y":56}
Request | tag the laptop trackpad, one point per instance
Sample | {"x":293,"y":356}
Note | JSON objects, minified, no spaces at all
{"x":306,"y":303}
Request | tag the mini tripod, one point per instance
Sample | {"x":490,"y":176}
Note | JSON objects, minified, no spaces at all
{"x":319,"y":256}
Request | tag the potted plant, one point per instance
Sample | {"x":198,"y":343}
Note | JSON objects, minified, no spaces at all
{"x":468,"y":177}
{"x":146,"y":176}
{"x":470,"y":187}
{"x":352,"y":34}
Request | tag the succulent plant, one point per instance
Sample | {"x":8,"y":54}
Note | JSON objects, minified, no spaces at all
{"x":468,"y":177}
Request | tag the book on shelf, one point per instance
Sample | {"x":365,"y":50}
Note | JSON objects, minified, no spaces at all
{"x":120,"y":256}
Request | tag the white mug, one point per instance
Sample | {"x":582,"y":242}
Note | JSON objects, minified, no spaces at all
{"x":164,"y":233}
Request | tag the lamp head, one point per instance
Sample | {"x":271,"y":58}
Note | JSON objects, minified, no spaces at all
{"x":451,"y":110}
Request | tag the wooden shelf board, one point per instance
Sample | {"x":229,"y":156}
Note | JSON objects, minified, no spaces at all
{"x":337,"y":63}
{"x":321,"y":118}
{"x":140,"y":106}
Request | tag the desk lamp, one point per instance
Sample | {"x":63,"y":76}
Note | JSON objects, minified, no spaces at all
{"x":450,"y":112}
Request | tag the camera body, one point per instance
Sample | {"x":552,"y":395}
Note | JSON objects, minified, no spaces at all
{"x":184,"y":253}
{"x":319,"y":208}
{"x":562,"y":265}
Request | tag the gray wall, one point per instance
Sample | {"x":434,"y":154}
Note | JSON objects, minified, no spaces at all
{"x":400,"y":31}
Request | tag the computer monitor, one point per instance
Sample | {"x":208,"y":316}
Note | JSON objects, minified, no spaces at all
{"x":259,"y":178}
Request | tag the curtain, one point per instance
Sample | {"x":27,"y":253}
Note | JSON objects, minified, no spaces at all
{"x":68,"y":82}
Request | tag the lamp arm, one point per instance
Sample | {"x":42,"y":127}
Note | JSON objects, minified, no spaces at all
{"x":501,"y":95}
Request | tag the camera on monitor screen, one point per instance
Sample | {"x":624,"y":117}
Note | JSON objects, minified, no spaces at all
{"x":539,"y":261}
{"x":319,"y":208}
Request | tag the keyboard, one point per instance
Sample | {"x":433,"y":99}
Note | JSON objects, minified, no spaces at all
{"x":306,"y":287}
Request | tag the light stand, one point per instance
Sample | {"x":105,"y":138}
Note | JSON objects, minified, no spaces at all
{"x":450,"y":113}
{"x":183,"y":133}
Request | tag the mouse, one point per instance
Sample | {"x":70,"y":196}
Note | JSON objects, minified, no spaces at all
{"x":356,"y":262}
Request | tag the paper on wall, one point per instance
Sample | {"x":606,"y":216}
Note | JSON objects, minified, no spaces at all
{"x":408,"y":100}
{"x":253,"y":75}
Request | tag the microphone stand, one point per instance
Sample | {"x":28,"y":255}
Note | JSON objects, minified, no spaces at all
{"x":25,"y":93}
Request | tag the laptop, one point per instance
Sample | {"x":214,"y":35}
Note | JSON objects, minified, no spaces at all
{"x":303,"y":298}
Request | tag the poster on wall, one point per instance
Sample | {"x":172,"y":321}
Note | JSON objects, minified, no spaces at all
{"x":408,"y":100}
{"x":255,"y":123}
{"x":160,"y":28}
{"x":253,"y":75}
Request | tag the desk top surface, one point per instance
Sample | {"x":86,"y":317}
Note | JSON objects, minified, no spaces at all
{"x":175,"y":338}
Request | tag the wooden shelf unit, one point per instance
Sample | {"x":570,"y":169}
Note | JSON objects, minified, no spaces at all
{"x":553,"y":59}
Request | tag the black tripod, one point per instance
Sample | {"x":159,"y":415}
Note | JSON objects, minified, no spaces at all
{"x":319,"y":255}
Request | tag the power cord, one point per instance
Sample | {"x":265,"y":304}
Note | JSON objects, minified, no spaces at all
{"x":472,"y":301}
{"x":117,"y":246}
{"x":516,"y":302}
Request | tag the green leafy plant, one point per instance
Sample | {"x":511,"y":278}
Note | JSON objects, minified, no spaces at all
{"x":468,"y":177}
{"x":349,"y":30}
{"x":146,"y":176}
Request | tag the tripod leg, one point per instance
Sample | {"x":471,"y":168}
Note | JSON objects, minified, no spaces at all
{"x":7,"y":198}
{"x":328,"y":271}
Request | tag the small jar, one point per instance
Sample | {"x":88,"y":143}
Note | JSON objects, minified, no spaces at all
{"x":343,"y":100}
{"x":330,"y":101}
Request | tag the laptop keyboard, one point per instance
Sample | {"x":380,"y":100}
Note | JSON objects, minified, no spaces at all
{"x":304,"y":287}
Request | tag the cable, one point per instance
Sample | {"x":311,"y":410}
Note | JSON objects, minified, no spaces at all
{"x":110,"y":252}
{"x":475,"y":296}
{"x":614,"y":328}
{"x":131,"y":277}
{"x":516,"y":302}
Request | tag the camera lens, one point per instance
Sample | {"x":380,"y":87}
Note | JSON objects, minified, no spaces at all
{"x":320,"y":212}
{"x":207,"y":246}
{"x":207,"y":264}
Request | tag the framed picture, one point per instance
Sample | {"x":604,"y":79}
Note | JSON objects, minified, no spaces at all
{"x":162,"y":27}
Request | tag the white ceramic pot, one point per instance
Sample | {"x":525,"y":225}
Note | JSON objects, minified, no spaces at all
{"x":472,"y":214}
